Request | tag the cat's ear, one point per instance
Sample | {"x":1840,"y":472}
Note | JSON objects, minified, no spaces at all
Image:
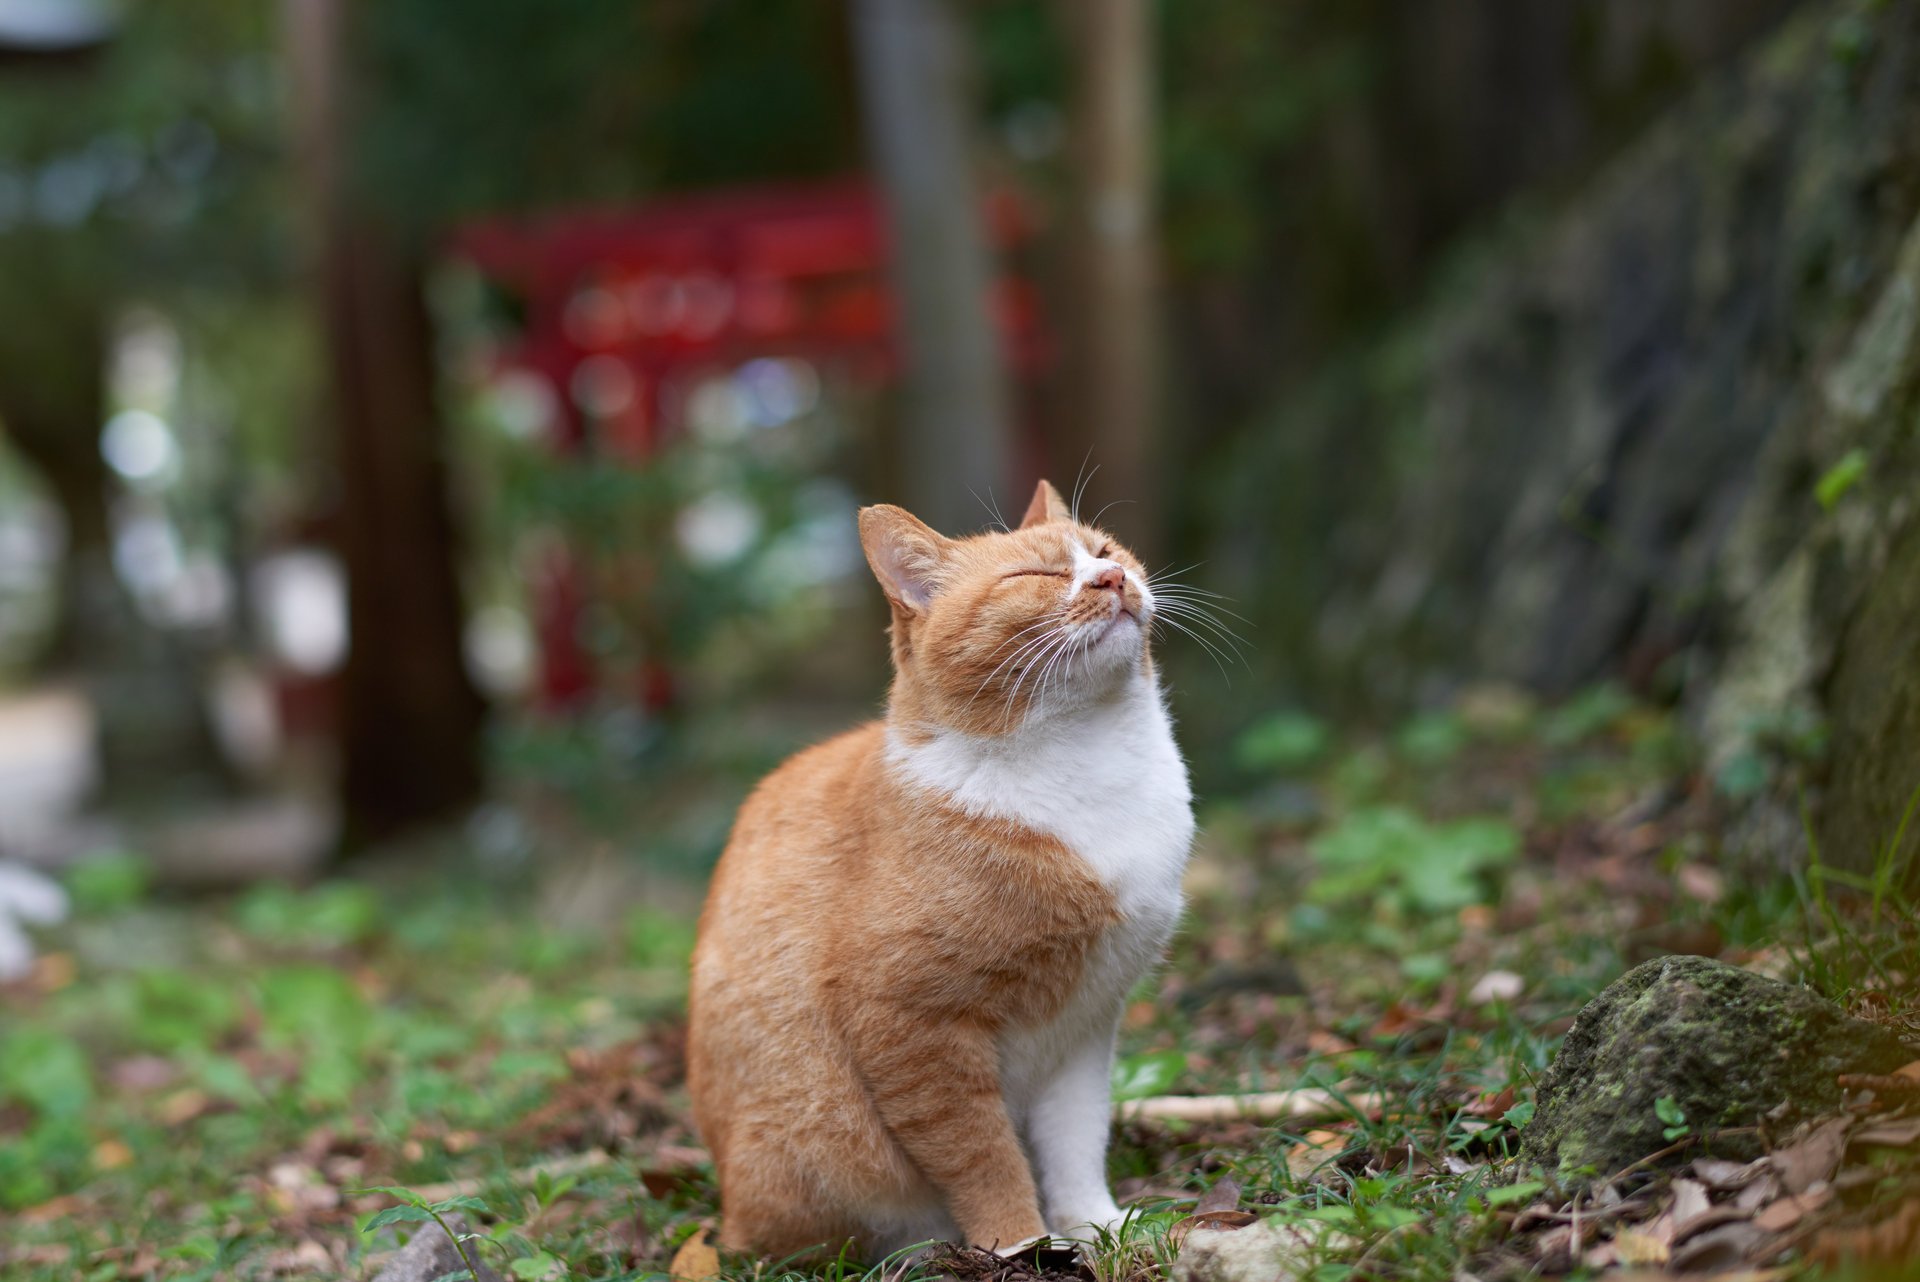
{"x":1047,"y":506}
{"x":906,"y":555}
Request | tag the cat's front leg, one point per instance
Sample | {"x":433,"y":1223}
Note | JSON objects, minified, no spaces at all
{"x":936,"y":1089}
{"x":1067,"y":1133}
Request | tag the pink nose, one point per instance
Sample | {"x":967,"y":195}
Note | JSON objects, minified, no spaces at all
{"x":1112,"y":577}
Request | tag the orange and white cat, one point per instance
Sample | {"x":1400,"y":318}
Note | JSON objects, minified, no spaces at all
{"x":917,"y":944}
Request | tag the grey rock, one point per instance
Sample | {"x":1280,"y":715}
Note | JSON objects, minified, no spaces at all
{"x":1264,"y":1251}
{"x":1732,"y":1049}
{"x":431,"y":1255}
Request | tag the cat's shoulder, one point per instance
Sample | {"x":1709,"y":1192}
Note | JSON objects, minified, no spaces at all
{"x":829,"y":764}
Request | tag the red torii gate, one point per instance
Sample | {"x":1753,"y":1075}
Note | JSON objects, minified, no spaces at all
{"x":623,"y":309}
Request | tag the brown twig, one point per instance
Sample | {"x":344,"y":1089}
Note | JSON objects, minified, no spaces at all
{"x":1684,"y":1141}
{"x":1265,"y":1106}
{"x":1879,"y":1083}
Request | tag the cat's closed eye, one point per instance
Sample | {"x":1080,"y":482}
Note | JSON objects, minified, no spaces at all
{"x":1051,"y":574}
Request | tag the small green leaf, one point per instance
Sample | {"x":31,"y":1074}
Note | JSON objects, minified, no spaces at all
{"x":462,"y":1203}
{"x":1519,"y":1115}
{"x":393,"y":1191}
{"x":538,"y":1265}
{"x":398,"y":1215}
{"x":1841,"y":477}
{"x":1138,"y":1076}
{"x":1667,"y":1109}
{"x":1514,"y":1192}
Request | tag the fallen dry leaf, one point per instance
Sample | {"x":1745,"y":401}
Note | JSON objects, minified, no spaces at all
{"x":1690,"y":1202}
{"x":1789,"y":1210}
{"x":1720,"y":1174}
{"x":696,"y":1259}
{"x":1492,"y":1104}
{"x":1399,"y":1018}
{"x":1223,"y":1196}
{"x":1896,"y":1238}
{"x":52,"y":972}
{"x":182,"y":1106}
{"x":1759,"y":1193}
{"x":1891,"y":1134}
{"x":111,"y":1155}
{"x":1637,"y":1246}
{"x":1718,"y":1249}
{"x":1698,"y":881}
{"x":1322,"y":1042}
{"x":63,"y":1207}
{"x":1812,"y":1159}
{"x":1315,"y":1150}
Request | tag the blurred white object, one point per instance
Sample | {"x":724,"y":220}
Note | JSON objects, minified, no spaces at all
{"x":54,"y":26}
{"x":302,"y":598}
{"x":25,"y":896}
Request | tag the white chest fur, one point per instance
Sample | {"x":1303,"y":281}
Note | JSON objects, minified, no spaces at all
{"x":1108,"y":782}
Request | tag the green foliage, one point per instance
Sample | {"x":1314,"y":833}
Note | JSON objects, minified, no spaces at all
{"x":1243,"y":91}
{"x":169,"y":1011}
{"x":1673,"y":1120}
{"x":1511,"y":1194}
{"x":1586,"y":715}
{"x":520,"y":106}
{"x":46,"y":1071}
{"x":332,"y":915}
{"x":1840,"y":955}
{"x":1432,"y":738}
{"x":1282,"y":741}
{"x":1420,"y":867}
{"x":108,"y":880}
{"x":415,"y":1209}
{"x":320,"y":1014}
{"x":1847,"y":472}
{"x":656,"y":938}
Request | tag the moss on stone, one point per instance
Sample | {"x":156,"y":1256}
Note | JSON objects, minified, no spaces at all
{"x":1731,"y":1048}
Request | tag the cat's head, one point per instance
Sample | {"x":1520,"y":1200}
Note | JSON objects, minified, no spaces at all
{"x":992,"y":629}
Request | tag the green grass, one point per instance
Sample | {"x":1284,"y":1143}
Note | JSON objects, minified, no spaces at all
{"x":208,"y":1088}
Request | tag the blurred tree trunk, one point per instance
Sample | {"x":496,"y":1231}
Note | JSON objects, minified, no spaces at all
{"x":52,"y":408}
{"x":410,"y":716}
{"x":1112,"y":349}
{"x":956,"y":438}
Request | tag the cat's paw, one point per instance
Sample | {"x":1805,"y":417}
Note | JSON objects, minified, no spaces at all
{"x":1089,"y":1223}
